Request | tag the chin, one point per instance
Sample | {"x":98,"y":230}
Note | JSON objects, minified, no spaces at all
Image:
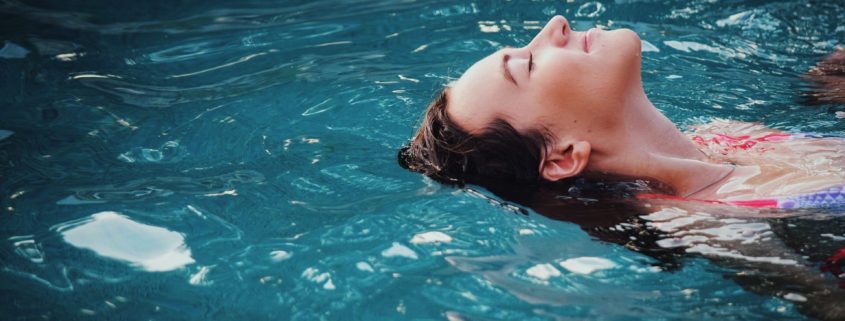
{"x":624,"y":43}
{"x":623,"y":50}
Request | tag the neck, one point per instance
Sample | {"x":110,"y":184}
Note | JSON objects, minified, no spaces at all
{"x":647,"y":144}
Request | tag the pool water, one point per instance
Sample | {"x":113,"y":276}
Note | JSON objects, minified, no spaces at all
{"x":200,"y":160}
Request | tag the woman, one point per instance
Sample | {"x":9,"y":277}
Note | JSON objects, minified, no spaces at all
{"x":571,"y":104}
{"x":543,"y":124}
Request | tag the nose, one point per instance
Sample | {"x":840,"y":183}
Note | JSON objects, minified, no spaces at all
{"x":556,"y":32}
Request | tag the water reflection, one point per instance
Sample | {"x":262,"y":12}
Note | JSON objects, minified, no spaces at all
{"x":265,"y":133}
{"x":154,"y":187}
{"x":760,"y":257}
{"x":5,"y":134}
{"x":11,"y":50}
{"x":112,"y":235}
{"x":28,"y":248}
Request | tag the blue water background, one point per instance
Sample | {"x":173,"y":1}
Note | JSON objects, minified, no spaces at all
{"x":265,"y":134}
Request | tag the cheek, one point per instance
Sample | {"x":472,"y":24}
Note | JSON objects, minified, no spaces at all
{"x":576,"y":82}
{"x":560,"y":75}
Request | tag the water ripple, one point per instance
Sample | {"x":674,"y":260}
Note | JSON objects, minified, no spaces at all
{"x":155,"y":187}
{"x":262,"y":138}
{"x":155,"y":96}
{"x":216,"y":20}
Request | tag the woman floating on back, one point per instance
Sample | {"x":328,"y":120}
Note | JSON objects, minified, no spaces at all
{"x":571,"y":104}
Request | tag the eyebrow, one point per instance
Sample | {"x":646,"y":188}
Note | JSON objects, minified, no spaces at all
{"x":505,"y":72}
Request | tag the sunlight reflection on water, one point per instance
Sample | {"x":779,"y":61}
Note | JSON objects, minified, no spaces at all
{"x":115,"y":236}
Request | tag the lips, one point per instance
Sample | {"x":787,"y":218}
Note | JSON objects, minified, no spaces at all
{"x":587,"y":40}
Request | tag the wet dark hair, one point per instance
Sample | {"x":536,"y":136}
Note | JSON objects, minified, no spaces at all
{"x":496,"y":154}
{"x":826,"y":81}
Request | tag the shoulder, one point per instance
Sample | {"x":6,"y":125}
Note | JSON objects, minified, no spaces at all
{"x":731,"y":127}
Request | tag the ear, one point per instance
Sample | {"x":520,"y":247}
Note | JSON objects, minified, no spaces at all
{"x":565,"y":161}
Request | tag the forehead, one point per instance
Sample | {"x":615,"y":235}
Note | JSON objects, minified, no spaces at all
{"x":476,"y":98}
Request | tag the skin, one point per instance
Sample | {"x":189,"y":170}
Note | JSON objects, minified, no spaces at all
{"x":565,"y":83}
{"x":591,"y":100}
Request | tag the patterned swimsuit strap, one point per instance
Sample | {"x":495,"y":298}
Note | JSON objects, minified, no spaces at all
{"x":830,"y":197}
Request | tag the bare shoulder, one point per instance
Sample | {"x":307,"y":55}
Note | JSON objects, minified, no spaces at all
{"x":731,"y":127}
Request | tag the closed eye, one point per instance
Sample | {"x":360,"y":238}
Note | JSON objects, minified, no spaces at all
{"x":530,"y":62}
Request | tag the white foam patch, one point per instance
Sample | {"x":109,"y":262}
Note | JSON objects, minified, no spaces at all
{"x":684,"y":241}
{"x":690,"y":46}
{"x":751,"y":19}
{"x":314,"y":275}
{"x":587,"y":264}
{"x":744,"y":232}
{"x":709,"y":250}
{"x":650,"y":269}
{"x":364,"y":266}
{"x":735,"y":19}
{"x":543,"y":271}
{"x":431,"y":237}
{"x":279,"y":255}
{"x":648,"y":47}
{"x":834,"y":237}
{"x":26,"y":247}
{"x":666,"y":214}
{"x":795,"y":297}
{"x":329,"y":285}
{"x":199,"y":278}
{"x":527,"y":231}
{"x":399,"y":250}
{"x":673,"y":225}
{"x":115,"y":236}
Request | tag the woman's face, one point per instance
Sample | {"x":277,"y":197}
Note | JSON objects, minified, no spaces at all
{"x":563,"y":80}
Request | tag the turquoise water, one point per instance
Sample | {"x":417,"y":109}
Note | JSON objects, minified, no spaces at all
{"x":195,"y":160}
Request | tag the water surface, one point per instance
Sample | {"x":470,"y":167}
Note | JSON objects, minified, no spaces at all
{"x":213,"y":160}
